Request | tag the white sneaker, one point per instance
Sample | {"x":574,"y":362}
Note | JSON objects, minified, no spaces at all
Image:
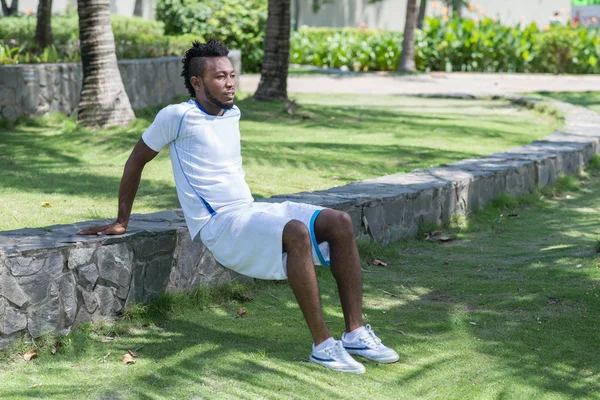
{"x":332,"y":355}
{"x":365,"y":343}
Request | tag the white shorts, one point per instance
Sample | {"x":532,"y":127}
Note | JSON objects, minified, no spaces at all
{"x":248,"y":239}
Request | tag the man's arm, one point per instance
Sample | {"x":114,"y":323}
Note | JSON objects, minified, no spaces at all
{"x":130,"y":182}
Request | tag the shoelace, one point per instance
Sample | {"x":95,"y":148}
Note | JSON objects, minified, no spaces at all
{"x":370,"y":338}
{"x":336,"y":351}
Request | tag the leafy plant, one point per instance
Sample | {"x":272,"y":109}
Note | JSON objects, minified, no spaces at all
{"x":240,"y":24}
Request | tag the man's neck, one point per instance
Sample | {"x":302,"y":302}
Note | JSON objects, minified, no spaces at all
{"x":208,"y":107}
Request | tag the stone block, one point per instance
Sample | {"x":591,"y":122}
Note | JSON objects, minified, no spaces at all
{"x":156,"y":280}
{"x":546,"y":172}
{"x":374,"y":221}
{"x":522,"y":180}
{"x":150,"y":246}
{"x":7,"y":96}
{"x":10,"y":76}
{"x":87,"y":276}
{"x":10,"y":289}
{"x":36,"y":287}
{"x":194,"y":265}
{"x":82,"y":316}
{"x":356,"y":215}
{"x":80,"y":256}
{"x":570,"y":162}
{"x":89,"y":300}
{"x":115,"y":263}
{"x":11,"y":319}
{"x":51,"y":263}
{"x":67,"y":290}
{"x":10,"y":112}
{"x":44,"y":317}
{"x":106,"y":299}
{"x":135,"y":294}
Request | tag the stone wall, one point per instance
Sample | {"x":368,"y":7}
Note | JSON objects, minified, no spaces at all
{"x":37,"y":89}
{"x":52,"y":279}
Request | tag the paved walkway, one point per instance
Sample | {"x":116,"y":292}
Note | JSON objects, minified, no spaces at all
{"x":433,"y":83}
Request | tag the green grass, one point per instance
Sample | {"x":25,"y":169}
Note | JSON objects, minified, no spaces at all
{"x":330,"y":141}
{"x":509,"y":310}
{"x":585,"y":99}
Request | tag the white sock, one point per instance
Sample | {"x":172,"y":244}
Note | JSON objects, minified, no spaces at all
{"x":351,"y":336}
{"x":328,"y":342}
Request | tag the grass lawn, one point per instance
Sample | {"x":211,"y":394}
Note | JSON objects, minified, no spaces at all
{"x":509,"y":310}
{"x":585,"y":99}
{"x":332,"y":140}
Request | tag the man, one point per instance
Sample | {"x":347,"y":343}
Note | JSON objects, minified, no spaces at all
{"x":556,"y":19}
{"x":261,"y":240}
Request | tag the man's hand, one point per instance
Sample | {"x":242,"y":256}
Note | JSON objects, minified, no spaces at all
{"x":116,"y":228}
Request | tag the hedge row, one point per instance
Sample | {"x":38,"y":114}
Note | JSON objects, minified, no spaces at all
{"x":454,"y":45}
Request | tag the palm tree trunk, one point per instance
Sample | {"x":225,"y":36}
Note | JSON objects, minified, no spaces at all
{"x":407,"y":59}
{"x":274,"y":71}
{"x":12,"y":10}
{"x":457,"y":8}
{"x":138,"y":9}
{"x":422,"y":11}
{"x":43,"y":29}
{"x":296,"y":14}
{"x":103,"y":99}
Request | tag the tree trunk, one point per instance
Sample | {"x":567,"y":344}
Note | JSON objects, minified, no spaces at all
{"x":407,"y":59}
{"x":274,"y":71}
{"x":103,"y":99}
{"x":43,"y":29}
{"x":296,"y":14}
{"x":12,"y":10}
{"x":422,"y":11}
{"x":457,"y":8}
{"x":138,"y":9}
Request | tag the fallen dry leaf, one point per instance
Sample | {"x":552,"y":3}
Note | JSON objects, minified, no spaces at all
{"x":128,"y":359}
{"x":30,"y":354}
{"x":35,"y":386}
{"x":131,"y":353}
{"x":379,"y":262}
{"x":46,"y":204}
{"x":242,"y":312}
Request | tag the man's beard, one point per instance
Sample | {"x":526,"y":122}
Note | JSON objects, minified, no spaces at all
{"x":214,"y":100}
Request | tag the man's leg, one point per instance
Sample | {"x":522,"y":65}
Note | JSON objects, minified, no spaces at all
{"x":303,"y":279}
{"x":335,"y":227}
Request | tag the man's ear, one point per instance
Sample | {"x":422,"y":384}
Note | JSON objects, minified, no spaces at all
{"x":196,"y":82}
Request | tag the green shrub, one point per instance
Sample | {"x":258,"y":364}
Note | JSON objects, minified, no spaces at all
{"x":355,"y":49}
{"x":239,"y":23}
{"x":134,"y":38}
{"x":555,"y":51}
{"x":454,"y":45}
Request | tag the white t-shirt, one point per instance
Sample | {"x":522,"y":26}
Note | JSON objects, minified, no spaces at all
{"x":206,"y":158}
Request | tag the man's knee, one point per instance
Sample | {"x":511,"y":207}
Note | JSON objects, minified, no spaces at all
{"x":335,"y":225}
{"x":296,"y":236}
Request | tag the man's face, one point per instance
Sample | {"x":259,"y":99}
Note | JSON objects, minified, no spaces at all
{"x":217,"y":83}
